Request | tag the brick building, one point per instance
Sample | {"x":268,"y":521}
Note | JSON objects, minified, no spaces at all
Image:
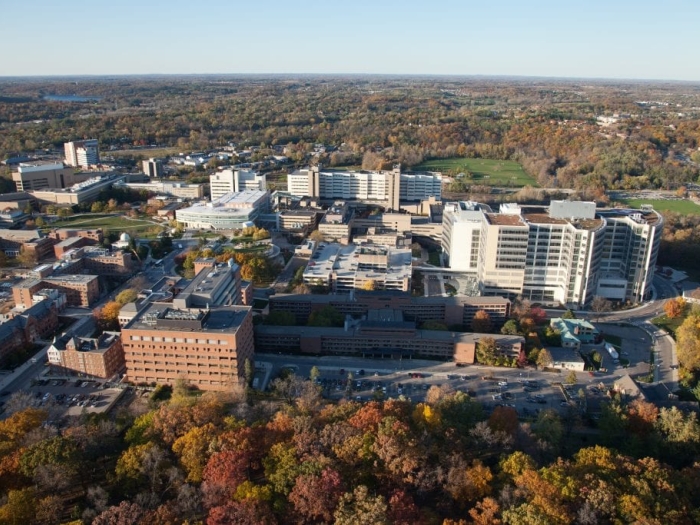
{"x":39,"y":321}
{"x":80,"y":290}
{"x":102,"y":357}
{"x":448,"y":310}
{"x":13,"y":242}
{"x":61,"y":234}
{"x":383,"y":333}
{"x":206,"y":347}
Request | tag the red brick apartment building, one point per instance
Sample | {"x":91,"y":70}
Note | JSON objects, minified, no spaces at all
{"x":102,"y":357}
{"x":207,"y":347}
{"x":80,"y":290}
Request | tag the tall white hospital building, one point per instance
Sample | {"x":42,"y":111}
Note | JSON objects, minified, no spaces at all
{"x":82,"y":153}
{"x":566,"y":253}
{"x":389,"y":188}
{"x":228,"y":181}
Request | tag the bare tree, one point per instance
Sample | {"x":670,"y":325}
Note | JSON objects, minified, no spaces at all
{"x":599,"y":305}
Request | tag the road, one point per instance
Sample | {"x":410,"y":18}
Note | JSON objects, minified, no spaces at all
{"x":665,"y":360}
{"x":21,"y":378}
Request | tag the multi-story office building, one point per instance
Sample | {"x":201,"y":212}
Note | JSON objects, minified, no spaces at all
{"x":80,"y":290}
{"x":100,"y":357}
{"x":153,"y":168}
{"x":82,"y":153}
{"x":232,"y":211}
{"x":336,"y":223}
{"x":227,"y":181}
{"x":213,"y":285}
{"x":206,"y":347}
{"x":566,"y":253}
{"x":388,"y":188}
{"x":42,"y":175}
{"x":458,"y":310}
{"x":384,"y":333}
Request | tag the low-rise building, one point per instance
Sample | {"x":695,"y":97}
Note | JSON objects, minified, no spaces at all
{"x":79,"y":193}
{"x":38,"y":321}
{"x":383,"y":334}
{"x":451,"y":311}
{"x":566,"y":359}
{"x":213,"y":285}
{"x":206,"y":347}
{"x":61,"y":234}
{"x":335,"y":225}
{"x":176,"y":189}
{"x":101,"y":357}
{"x":345,"y":268}
{"x":72,"y":243}
{"x":575,"y":332}
{"x":33,"y":242}
{"x":231,"y":212}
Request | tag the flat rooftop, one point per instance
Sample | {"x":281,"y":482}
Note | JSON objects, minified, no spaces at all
{"x":236,"y":199}
{"x":501,"y":219}
{"x":163,"y":317}
{"x":70,"y":279}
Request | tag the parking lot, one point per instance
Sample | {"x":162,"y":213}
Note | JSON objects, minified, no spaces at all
{"x":64,"y":397}
{"x":527,"y":396}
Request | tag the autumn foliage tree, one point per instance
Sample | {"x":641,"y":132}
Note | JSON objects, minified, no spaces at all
{"x":481,"y":323}
{"x":675,"y":307}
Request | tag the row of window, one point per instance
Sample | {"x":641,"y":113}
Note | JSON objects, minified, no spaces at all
{"x":190,"y":340}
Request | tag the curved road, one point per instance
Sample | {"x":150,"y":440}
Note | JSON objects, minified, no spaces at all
{"x":666,"y":369}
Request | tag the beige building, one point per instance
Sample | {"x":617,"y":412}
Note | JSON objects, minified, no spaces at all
{"x":388,"y":188}
{"x":347,"y":268}
{"x":41,"y":175}
{"x":176,"y":189}
{"x":102,"y":357}
{"x":82,"y":153}
{"x":86,"y":191}
{"x":206,"y":347}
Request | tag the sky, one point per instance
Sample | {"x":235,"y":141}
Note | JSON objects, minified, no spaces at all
{"x":618,"y":39}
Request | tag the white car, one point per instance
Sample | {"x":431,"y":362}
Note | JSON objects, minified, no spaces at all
{"x":503,"y":383}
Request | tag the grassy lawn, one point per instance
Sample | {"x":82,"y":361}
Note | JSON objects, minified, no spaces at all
{"x":668,"y":324}
{"x":682,"y":206}
{"x":106,"y":222}
{"x":143,"y":152}
{"x":484,"y":171}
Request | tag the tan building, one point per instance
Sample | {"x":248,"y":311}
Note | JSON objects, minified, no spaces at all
{"x":102,"y":357}
{"x":41,"y":175}
{"x":206,"y":347}
{"x":86,"y":191}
